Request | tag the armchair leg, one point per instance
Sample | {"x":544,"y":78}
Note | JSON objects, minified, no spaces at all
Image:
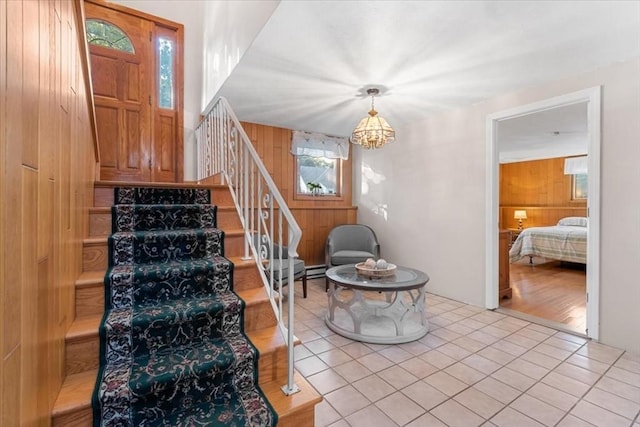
{"x":326,"y":284}
{"x":304,"y":285}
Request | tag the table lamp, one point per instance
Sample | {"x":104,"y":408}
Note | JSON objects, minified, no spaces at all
{"x":520,"y":215}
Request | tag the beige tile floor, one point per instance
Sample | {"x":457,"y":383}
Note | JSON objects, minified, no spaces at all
{"x":475,"y":367}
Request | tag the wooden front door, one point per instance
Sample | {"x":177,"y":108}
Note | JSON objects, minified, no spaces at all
{"x":137,"y":142}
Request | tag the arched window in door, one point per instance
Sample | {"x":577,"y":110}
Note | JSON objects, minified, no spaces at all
{"x":102,"y":33}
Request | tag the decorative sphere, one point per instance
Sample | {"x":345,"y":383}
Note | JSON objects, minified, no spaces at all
{"x":370,"y":263}
{"x":381,"y":264}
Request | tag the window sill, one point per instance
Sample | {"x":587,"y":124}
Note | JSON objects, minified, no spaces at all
{"x":319,"y":197}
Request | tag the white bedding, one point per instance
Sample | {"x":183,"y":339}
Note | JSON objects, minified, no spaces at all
{"x":564,"y":243}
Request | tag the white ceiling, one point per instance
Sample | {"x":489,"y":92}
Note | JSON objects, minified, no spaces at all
{"x":311,"y":64}
{"x":558,"y":132}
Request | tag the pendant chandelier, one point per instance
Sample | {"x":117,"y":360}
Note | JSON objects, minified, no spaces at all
{"x":373,"y":131}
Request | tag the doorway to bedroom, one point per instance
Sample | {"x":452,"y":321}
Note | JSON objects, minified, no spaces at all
{"x":542,"y":198}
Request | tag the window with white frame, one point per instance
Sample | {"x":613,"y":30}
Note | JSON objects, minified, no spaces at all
{"x":579,"y":187}
{"x":318,"y":163}
{"x":577,"y":168}
{"x":318,"y":176}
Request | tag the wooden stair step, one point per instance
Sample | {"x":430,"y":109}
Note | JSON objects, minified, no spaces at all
{"x":258,"y":313}
{"x":100,"y":220}
{"x":227,"y":218}
{"x":233,"y":242}
{"x":297,"y":409}
{"x":90,"y":286}
{"x":95,"y":249}
{"x":245,"y":274}
{"x":82,"y":341}
{"x":83,"y":348}
{"x":103,"y":191}
{"x":272,"y":364}
{"x":82,"y":345}
{"x":90,"y":278}
{"x":94,"y":254}
{"x":73,"y":405}
{"x":90,"y":293}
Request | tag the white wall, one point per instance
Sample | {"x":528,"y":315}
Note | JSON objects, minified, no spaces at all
{"x":432,"y":182}
{"x":190,"y":14}
{"x":216,"y":35}
{"x":229,"y":29}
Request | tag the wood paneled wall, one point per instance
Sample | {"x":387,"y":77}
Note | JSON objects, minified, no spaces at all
{"x":315,"y":215}
{"x":541,"y":188}
{"x":46,"y":172}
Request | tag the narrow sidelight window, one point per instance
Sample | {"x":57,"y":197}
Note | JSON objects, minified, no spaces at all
{"x":166,"y":73}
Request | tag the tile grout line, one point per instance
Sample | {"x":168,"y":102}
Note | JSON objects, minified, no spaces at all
{"x":456,"y":360}
{"x":591,"y":387}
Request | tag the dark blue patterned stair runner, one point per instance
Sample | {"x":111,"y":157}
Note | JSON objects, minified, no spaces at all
{"x":172,"y":346}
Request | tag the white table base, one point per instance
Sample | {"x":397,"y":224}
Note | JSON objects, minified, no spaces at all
{"x":397,"y":319}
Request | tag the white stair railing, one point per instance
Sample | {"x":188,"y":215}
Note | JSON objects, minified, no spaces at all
{"x":225,"y":149}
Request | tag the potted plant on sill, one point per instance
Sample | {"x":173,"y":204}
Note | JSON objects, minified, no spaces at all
{"x":315,"y":188}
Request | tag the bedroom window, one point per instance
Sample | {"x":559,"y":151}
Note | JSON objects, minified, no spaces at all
{"x":579,"y":187}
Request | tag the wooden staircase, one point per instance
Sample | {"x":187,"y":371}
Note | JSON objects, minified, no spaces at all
{"x":73,"y":405}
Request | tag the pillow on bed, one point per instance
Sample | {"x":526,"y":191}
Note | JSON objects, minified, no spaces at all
{"x":578,"y":221}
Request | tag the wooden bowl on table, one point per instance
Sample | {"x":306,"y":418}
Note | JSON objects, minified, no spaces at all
{"x":375,"y":273}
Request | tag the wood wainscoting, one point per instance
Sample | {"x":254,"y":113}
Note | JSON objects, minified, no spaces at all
{"x":315,"y":215}
{"x":316,"y":224}
{"x":541,"y":188}
{"x":538,"y":216}
{"x":47,"y":172}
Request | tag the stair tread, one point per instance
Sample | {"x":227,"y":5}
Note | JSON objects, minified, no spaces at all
{"x":233,"y":232}
{"x":253,"y":296}
{"x":84,"y":327}
{"x":240,"y":262}
{"x":90,"y":278}
{"x":269,"y":339}
{"x":205,"y":358}
{"x":94,"y":241}
{"x":191,"y":231}
{"x":285,"y":405}
{"x":100,"y":210}
{"x":97,"y":240}
{"x":75,"y":393}
{"x":77,"y":389}
{"x":266,"y":339}
{"x":156,"y":184}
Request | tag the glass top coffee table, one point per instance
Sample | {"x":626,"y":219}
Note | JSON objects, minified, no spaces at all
{"x":387,"y":310}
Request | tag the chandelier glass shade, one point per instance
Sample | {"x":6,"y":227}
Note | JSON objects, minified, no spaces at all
{"x":373,"y":131}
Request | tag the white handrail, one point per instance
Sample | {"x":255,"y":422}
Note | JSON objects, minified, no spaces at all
{"x":224,"y":148}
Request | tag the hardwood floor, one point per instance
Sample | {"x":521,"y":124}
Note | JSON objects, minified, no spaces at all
{"x":551,"y":290}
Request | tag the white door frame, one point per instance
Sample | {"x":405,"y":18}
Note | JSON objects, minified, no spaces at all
{"x":592,"y":97}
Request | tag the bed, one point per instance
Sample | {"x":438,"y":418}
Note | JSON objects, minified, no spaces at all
{"x":566,"y":241}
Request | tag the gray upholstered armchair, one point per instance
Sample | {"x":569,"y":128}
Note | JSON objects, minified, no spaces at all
{"x":299,"y":268}
{"x":350,"y":244}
